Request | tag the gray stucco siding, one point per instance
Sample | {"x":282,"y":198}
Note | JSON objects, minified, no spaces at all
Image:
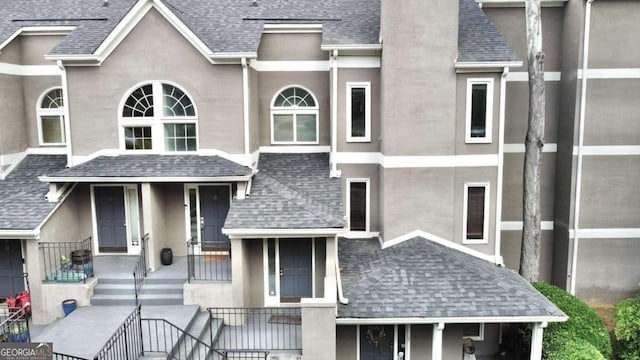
{"x":461,"y":116}
{"x":516,"y":114}
{"x":512,"y":186}
{"x":34,"y":87}
{"x":611,"y":45}
{"x":612,"y":112}
{"x":34,"y":48}
{"x":359,"y":75}
{"x":510,"y":245}
{"x":96,"y":92}
{"x":510,"y":22}
{"x":14,"y":133}
{"x":173,"y":215}
{"x":270,"y":83}
{"x":609,"y":198}
{"x":291,"y":47}
{"x":607,"y":269}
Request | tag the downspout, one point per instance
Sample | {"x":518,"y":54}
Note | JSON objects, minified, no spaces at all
{"x":499,"y":182}
{"x":334,"y":112}
{"x":245,"y":110}
{"x":583,"y":100}
{"x":67,"y":121}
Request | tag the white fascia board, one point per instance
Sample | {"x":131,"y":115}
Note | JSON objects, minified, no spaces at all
{"x":417,"y":161}
{"x":76,"y":60}
{"x":359,"y":62}
{"x":497,"y":66}
{"x":299,"y":65}
{"x":357,"y":47}
{"x":19,"y":234}
{"x":523,"y":76}
{"x":233,"y":55}
{"x":116,"y":179}
{"x":518,"y":225}
{"x":438,"y":240}
{"x":450,"y":320}
{"x":291,"y":28}
{"x":519,"y":3}
{"x":38,"y":30}
{"x":57,"y":150}
{"x":294,"y":149}
{"x":262,"y":233}
{"x":29,"y":70}
{"x":519,"y":148}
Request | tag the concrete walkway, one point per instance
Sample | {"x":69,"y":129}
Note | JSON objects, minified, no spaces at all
{"x":121,"y":267}
{"x":85,"y":331}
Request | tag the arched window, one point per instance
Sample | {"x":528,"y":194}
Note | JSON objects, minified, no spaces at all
{"x":51,"y":118}
{"x":159,"y":117}
{"x":294,"y":117}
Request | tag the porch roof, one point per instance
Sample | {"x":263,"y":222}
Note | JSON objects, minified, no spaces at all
{"x":22,"y":196}
{"x":153,"y":168}
{"x":419,"y":278}
{"x":290,"y":191}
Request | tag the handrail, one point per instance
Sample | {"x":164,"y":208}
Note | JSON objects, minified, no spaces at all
{"x":171,"y":340}
{"x":15,"y":327}
{"x":67,"y":261}
{"x":140,"y":270}
{"x":60,"y":356}
{"x":212,"y":263}
{"x":126,"y":342}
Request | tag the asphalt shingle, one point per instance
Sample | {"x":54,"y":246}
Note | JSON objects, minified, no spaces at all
{"x":22,"y":202}
{"x":420,"y":278}
{"x":290,"y":191}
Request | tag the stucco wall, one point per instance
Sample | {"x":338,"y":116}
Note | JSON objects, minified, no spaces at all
{"x":34,"y":87}
{"x":72,"y":221}
{"x":34,"y":48}
{"x":291,"y":47}
{"x":611,"y":42}
{"x":96,"y":92}
{"x":612,"y":112}
{"x":516,"y":114}
{"x":511,"y":242}
{"x":512,"y":186}
{"x":174,"y":217}
{"x":318,"y":332}
{"x":13,"y":132}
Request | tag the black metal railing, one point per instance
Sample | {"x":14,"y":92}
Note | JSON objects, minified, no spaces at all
{"x":126,"y":342}
{"x":59,"y":356}
{"x":67,"y":261}
{"x":161,"y":336}
{"x":246,"y":355}
{"x":14,"y":325}
{"x":240,"y":330}
{"x":140,"y":270}
{"x":208,"y":261}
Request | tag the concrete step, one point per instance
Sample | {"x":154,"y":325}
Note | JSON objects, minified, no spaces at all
{"x":125,"y":289}
{"x":148,"y":280}
{"x":144,"y":299}
{"x":199,"y":325}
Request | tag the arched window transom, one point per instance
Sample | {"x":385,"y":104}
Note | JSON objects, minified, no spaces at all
{"x":294,"y":117}
{"x":51,"y":118}
{"x":158,"y":117}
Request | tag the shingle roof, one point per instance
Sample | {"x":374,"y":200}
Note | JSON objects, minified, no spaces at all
{"x":290,"y":191}
{"x":478,"y":38}
{"x":22,"y":202}
{"x":223,"y":25}
{"x":420,"y":278}
{"x":155,"y":166}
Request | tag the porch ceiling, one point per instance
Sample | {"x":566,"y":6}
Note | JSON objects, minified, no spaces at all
{"x":422,"y":279}
{"x":153,"y":168}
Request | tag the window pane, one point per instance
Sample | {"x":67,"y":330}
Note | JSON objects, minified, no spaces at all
{"x":479,"y":110}
{"x":475,"y":212}
{"x":358,"y":112}
{"x":283,"y":127}
{"x":176,"y":102}
{"x":306,"y":128}
{"x":358,"y":206}
{"x":139,"y":103}
{"x":471,"y":330}
{"x":177,"y":138}
{"x":52,"y":100}
{"x":271,"y":245}
{"x":137,"y":138}
{"x":376,"y":342}
{"x":52,"y":130}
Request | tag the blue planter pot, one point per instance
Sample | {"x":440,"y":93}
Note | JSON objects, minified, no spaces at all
{"x":68,"y":306}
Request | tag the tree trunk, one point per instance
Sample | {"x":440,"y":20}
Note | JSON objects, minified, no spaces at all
{"x":530,"y":253}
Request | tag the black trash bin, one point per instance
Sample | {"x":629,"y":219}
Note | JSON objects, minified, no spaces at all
{"x":166,"y":256}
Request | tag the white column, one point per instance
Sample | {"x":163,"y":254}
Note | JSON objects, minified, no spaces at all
{"x":536,"y":340}
{"x":436,"y":344}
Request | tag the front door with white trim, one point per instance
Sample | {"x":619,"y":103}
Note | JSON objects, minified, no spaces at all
{"x":116,"y":219}
{"x":207,"y":208}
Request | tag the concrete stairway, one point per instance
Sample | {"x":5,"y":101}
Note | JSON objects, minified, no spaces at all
{"x":155,"y":291}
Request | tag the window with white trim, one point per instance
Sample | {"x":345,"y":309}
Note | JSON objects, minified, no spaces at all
{"x":476,"y":213}
{"x":358,"y":111}
{"x":473,"y":331}
{"x":294,"y":117}
{"x":479,"y":110}
{"x":158,"y":117}
{"x":51,"y":118}
{"x":358,"y":200}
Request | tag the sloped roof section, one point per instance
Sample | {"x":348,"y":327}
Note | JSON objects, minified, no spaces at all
{"x":152,"y":167}
{"x":290,"y":191}
{"x":419,"y":278}
{"x":478,"y":38}
{"x":224,"y":26}
{"x":22,"y":202}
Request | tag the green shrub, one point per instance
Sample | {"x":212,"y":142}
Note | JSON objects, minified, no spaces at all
{"x":627,"y":330}
{"x":584,"y":326}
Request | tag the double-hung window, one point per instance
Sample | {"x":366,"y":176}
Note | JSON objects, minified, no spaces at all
{"x":358,"y":112}
{"x":51,"y":118}
{"x":476,"y":213}
{"x":294,"y":117}
{"x":358,"y":204}
{"x":479,"y":110}
{"x":158,"y":117}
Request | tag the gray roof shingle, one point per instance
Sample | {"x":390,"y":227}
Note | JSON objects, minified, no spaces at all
{"x":420,"y":278}
{"x":478,"y":38}
{"x":155,"y":166}
{"x":22,"y":202}
{"x":290,"y":191}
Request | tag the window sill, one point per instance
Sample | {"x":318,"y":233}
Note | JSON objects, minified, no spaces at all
{"x":358,"y":140}
{"x":475,"y":242}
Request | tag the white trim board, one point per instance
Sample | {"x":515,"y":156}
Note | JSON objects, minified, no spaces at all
{"x":523,"y":76}
{"x":442,"y":161}
{"x":29,"y":70}
{"x":144,"y":179}
{"x":603,"y":233}
{"x":449,"y":320}
{"x":519,"y":3}
{"x":294,"y":149}
{"x":302,"y":65}
{"x":281,"y":233}
{"x":519,"y":148}
{"x":38,"y":30}
{"x":607,"y":150}
{"x":518,"y":225}
{"x":613,"y":73}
